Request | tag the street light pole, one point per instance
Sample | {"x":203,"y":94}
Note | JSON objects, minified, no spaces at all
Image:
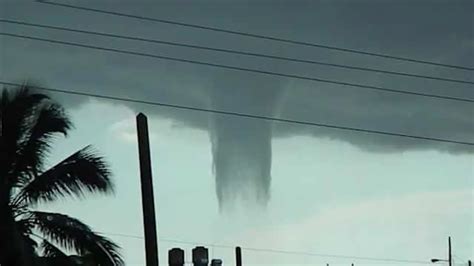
{"x":450,"y":256}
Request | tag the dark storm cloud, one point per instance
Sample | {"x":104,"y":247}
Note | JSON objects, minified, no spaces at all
{"x":432,"y":30}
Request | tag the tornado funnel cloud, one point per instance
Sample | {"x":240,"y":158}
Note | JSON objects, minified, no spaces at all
{"x":241,"y":146}
{"x":242,"y":160}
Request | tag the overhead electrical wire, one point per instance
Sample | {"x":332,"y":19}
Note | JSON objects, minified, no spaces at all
{"x":232,"y":51}
{"x":278,"y":251}
{"x":258,"y":36}
{"x":251,"y":116}
{"x":245,"y":115}
{"x":237,"y":68}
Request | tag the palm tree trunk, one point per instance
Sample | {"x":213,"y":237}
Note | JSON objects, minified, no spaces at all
{"x":12,"y":250}
{"x":11,"y":246}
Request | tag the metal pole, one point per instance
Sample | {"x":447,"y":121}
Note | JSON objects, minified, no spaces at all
{"x":469,"y":263}
{"x":450,"y":258}
{"x":148,"y":203}
{"x":238,"y":256}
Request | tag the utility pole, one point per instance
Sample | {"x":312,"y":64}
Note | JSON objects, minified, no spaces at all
{"x":148,"y":202}
{"x":450,"y":258}
{"x":238,"y":256}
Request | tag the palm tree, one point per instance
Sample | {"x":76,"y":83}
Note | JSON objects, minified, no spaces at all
{"x":30,"y":121}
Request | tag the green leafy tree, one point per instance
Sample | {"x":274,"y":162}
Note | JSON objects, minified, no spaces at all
{"x":29,"y":122}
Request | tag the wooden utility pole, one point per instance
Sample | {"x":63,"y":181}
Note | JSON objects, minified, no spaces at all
{"x":148,"y":203}
{"x":450,"y":257}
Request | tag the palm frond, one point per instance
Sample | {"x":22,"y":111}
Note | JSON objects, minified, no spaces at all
{"x":29,"y":121}
{"x":49,"y":120}
{"x":15,"y":111}
{"x":51,"y":251}
{"x":25,"y":225}
{"x":72,"y":234}
{"x":53,"y":256}
{"x":106,"y":246}
{"x":79,"y":173}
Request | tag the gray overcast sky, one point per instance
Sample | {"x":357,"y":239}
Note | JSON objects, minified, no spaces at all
{"x":355,"y":194}
{"x":433,"y":30}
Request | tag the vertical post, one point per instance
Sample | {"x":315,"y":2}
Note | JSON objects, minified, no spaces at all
{"x":238,"y":256}
{"x":148,"y":203}
{"x":469,"y":263}
{"x":450,"y":258}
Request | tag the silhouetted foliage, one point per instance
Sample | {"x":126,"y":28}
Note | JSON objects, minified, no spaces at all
{"x":30,"y":121}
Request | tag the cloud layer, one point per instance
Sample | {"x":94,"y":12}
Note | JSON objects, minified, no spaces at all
{"x":410,"y":29}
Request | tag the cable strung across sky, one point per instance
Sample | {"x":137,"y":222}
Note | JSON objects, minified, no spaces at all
{"x":237,"y":68}
{"x":278,"y":251}
{"x":231,"y":51}
{"x":325,"y":137}
{"x":258,"y":36}
{"x":245,"y":115}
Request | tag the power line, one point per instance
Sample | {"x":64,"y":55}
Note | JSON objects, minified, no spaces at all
{"x":334,"y":256}
{"x":246,"y":115}
{"x":278,"y":251}
{"x":253,"y":35}
{"x":237,"y":68}
{"x":232,"y":51}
